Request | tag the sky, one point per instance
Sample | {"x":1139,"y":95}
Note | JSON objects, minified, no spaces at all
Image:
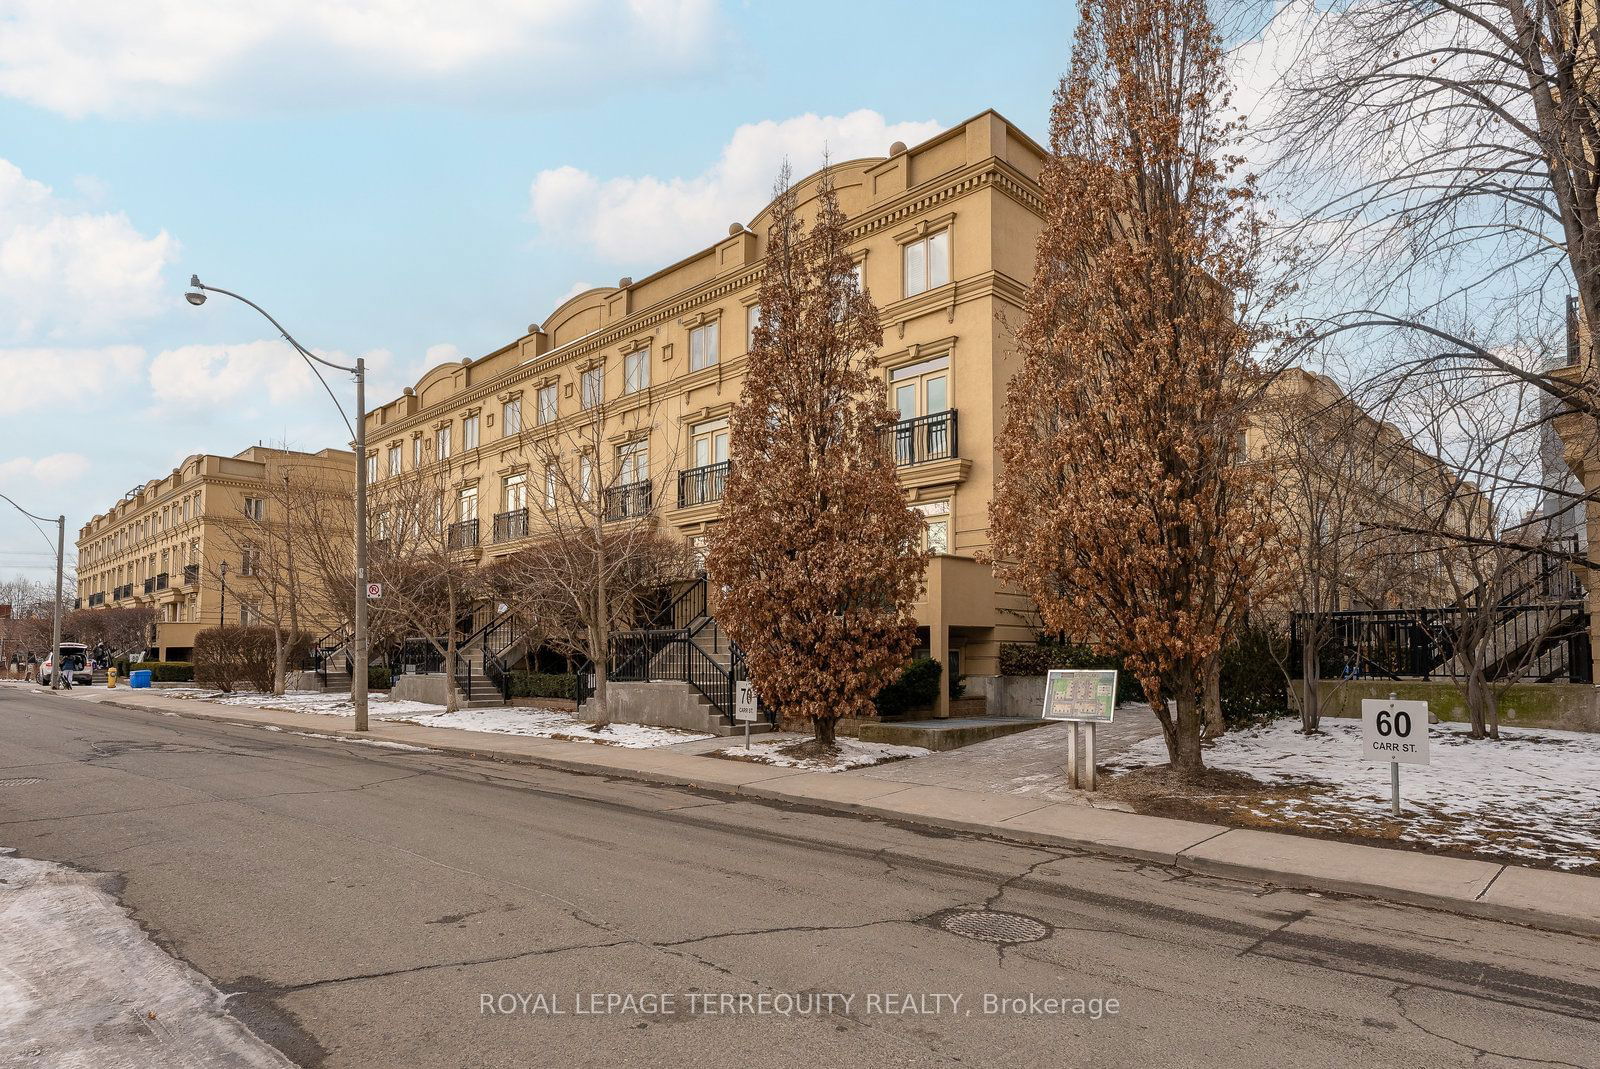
{"x":410,"y":182}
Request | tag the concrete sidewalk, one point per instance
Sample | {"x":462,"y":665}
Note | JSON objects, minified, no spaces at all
{"x":1554,"y":900}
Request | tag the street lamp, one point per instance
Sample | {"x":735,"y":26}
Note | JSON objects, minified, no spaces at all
{"x":222,"y":606}
{"x":358,"y":678}
{"x":55,"y":614}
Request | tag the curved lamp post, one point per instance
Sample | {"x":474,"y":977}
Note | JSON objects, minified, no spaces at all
{"x":55,"y":615}
{"x":358,"y":678}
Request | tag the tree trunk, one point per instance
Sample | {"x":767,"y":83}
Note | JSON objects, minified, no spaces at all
{"x":1310,"y":689}
{"x":1184,"y":751}
{"x":1479,"y":702}
{"x":280,"y":658}
{"x":1215,"y":725}
{"x":822,"y":729}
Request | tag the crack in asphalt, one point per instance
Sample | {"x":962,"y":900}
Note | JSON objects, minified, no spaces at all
{"x":1478,"y":1053}
{"x":241,"y":987}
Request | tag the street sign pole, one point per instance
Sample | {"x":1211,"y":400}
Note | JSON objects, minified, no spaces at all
{"x":1396,"y":731}
{"x":1089,"y":756}
{"x":1072,"y":757}
{"x":1394,"y":787}
{"x":1083,"y":698}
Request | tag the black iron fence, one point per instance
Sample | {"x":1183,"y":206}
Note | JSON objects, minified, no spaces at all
{"x":629,"y":500}
{"x":702,"y":485}
{"x":463,"y":535}
{"x":511,"y":525}
{"x":923,"y":438}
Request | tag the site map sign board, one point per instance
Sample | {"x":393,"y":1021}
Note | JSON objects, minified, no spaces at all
{"x":1084,"y":694}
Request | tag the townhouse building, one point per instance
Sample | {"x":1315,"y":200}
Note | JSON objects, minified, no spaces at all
{"x":190,"y":544}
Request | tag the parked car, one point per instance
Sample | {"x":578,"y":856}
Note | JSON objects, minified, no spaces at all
{"x":75,"y":663}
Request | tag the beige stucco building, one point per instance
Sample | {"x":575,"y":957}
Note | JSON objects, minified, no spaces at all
{"x":189,"y":543}
{"x":944,"y":233}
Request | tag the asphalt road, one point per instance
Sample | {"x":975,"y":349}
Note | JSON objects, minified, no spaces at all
{"x":363,"y":902}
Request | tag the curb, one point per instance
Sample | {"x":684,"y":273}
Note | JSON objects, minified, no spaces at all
{"x":1182,"y":860}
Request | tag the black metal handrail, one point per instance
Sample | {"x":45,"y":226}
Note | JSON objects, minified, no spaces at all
{"x":191,"y":574}
{"x":629,"y":500}
{"x":702,"y":485}
{"x":923,"y":438}
{"x":463,"y":534}
{"x":511,"y":525}
{"x":688,"y":606}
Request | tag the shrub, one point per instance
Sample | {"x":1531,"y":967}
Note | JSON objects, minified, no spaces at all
{"x":917,"y":688}
{"x":1037,"y":658}
{"x":543,"y":684}
{"x":379,"y":677}
{"x":225,"y":657}
{"x":165,"y":671}
{"x":1252,"y":683}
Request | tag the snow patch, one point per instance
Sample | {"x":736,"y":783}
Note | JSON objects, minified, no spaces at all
{"x":81,"y":984}
{"x":850,"y":753}
{"x":1535,"y":794}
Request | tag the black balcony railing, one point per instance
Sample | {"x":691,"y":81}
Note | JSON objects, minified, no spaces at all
{"x":464,"y":534}
{"x":150,"y":585}
{"x":96,"y":600}
{"x":191,"y":574}
{"x":510,"y":525}
{"x":161,"y":581}
{"x":629,"y":500}
{"x":702,"y":485}
{"x":77,"y":603}
{"x":923,"y":438}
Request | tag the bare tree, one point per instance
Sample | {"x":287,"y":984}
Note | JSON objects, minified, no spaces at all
{"x":428,"y":588}
{"x":596,"y":555}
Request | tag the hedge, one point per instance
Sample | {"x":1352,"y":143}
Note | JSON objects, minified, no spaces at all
{"x":1252,"y":685}
{"x":543,"y":684}
{"x":164,"y":671}
{"x":917,"y":688}
{"x":379,"y":677}
{"x":1037,"y":658}
{"x":227,"y":656}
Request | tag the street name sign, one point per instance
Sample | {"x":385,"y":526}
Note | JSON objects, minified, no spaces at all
{"x":1087,"y":695}
{"x":1394,"y":731}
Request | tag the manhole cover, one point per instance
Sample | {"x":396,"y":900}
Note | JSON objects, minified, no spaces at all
{"x":20,"y":782}
{"x":993,"y":926}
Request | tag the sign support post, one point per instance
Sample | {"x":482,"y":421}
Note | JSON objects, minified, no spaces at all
{"x":1083,"y":698}
{"x":1394,"y":731}
{"x":744,"y":707}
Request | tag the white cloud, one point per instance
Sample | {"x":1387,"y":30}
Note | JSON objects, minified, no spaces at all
{"x":69,"y":271}
{"x":55,"y":468}
{"x":648,"y":220}
{"x":43,"y":378}
{"x":81,"y":57}
{"x":257,"y":373}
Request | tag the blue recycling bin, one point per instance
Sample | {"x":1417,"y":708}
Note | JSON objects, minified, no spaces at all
{"x":140,"y":679}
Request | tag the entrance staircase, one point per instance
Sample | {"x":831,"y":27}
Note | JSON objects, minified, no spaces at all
{"x":684,"y":646}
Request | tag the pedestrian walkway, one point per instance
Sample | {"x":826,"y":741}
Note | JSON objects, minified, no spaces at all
{"x":1029,"y":764}
{"x":1557,"y":900}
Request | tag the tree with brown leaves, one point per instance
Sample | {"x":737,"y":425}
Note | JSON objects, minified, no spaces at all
{"x":1121,"y":507}
{"x":817,"y":562}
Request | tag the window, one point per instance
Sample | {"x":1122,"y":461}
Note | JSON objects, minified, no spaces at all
{"x":550,"y":479}
{"x":708,"y":442}
{"x":636,"y":371}
{"x":441,"y":442}
{"x":546,"y":405}
{"x":921,"y":389}
{"x":438,"y":513}
{"x":511,"y":418}
{"x":703,"y":346}
{"x":247,"y":560}
{"x":469,"y":432}
{"x":936,"y":526}
{"x":592,"y":386}
{"x":372,"y":468}
{"x":255,"y":508}
{"x":416,"y":451}
{"x":752,"y":320}
{"x":927,"y":263}
{"x":585,"y":476}
{"x":467,"y":503}
{"x":515,"y":492}
{"x":395,"y":456}
{"x":633,"y":463}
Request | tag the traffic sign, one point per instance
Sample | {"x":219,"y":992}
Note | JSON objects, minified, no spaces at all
{"x":1394,"y":731}
{"x":374,"y":590}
